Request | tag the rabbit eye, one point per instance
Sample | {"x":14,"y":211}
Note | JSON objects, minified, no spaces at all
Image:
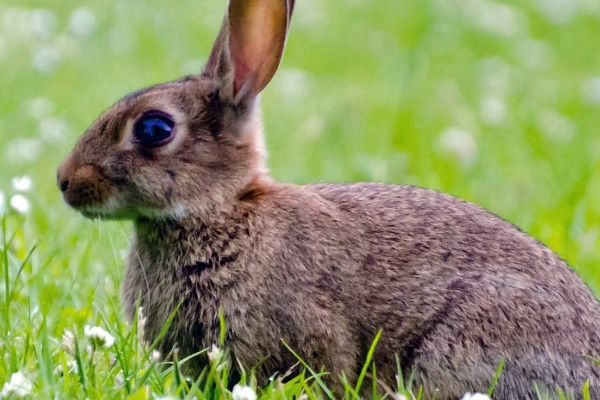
{"x":154,"y":129}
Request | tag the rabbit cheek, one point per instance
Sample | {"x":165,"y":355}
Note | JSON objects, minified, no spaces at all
{"x":87,"y":187}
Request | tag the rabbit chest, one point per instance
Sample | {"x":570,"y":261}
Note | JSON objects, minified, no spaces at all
{"x":265,"y":295}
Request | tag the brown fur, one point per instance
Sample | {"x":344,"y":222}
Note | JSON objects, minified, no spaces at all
{"x":454,"y":288}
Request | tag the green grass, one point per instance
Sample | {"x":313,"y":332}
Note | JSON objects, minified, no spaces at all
{"x":492,"y":102}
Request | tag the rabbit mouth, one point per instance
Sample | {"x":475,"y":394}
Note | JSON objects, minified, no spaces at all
{"x":116,"y":215}
{"x":106,"y":210}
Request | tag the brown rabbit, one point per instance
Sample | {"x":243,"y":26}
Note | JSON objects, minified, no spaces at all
{"x":454,"y":288}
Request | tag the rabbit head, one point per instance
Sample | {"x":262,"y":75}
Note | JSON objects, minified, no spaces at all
{"x":190,"y":146}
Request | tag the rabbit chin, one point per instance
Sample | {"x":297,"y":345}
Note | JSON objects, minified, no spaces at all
{"x":112,"y":209}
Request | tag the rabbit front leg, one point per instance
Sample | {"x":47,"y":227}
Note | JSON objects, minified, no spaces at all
{"x":323,"y":340}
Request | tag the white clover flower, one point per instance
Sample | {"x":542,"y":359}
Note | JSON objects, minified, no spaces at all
{"x":22,"y":183}
{"x":16,"y":22}
{"x":241,"y":392}
{"x":495,"y":17}
{"x":294,"y":84}
{"x":46,"y":59}
{"x":460,"y":143}
{"x":493,"y":111}
{"x":475,"y":396}
{"x":120,"y":379}
{"x":590,"y":90}
{"x":82,"y":22}
{"x":98,"y":337}
{"x":18,"y":386}
{"x":559,"y":12}
{"x":312,"y":17}
{"x":68,"y":342}
{"x":53,"y":129}
{"x":215,"y":354}
{"x":72,"y":367}
{"x":40,"y":107}
{"x":2,"y":202}
{"x":535,"y":54}
{"x":22,"y":150}
{"x":155,"y":356}
{"x":556,"y":126}
{"x":20,"y":204}
{"x":43,"y":23}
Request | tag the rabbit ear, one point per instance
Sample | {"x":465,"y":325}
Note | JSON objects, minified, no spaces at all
{"x":250,"y":45}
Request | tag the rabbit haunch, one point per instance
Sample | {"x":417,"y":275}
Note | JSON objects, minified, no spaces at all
{"x":454,"y":289}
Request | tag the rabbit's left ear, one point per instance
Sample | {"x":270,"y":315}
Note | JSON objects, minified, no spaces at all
{"x":250,"y":45}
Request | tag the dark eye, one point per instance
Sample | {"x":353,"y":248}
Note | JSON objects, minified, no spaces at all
{"x":154,"y":129}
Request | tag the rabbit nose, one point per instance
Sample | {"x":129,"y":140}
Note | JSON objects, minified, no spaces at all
{"x":62,"y":175}
{"x":63,"y":185}
{"x":62,"y":182}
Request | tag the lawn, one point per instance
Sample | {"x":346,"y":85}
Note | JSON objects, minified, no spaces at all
{"x":494,"y":102}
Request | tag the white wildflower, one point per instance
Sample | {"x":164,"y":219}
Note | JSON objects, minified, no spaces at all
{"x":313,"y":15}
{"x":294,"y":84}
{"x":120,"y":378}
{"x":18,"y":386}
{"x":46,"y":59}
{"x":155,"y":356}
{"x":20,"y":204}
{"x":68,"y":342}
{"x":495,"y":17}
{"x":72,"y":367}
{"x":98,"y":336}
{"x":590,"y":90}
{"x":475,"y":396}
{"x":535,"y":54}
{"x":2,"y":202}
{"x":22,"y":150}
{"x":15,"y":22}
{"x":43,"y":23}
{"x":40,"y":107}
{"x":496,"y":77}
{"x":555,"y":126}
{"x":165,"y":397}
{"x":215,"y":354}
{"x":22,"y":183}
{"x":243,"y":393}
{"x":82,"y":22}
{"x":312,"y":128}
{"x":559,"y":12}
{"x":460,"y":143}
{"x":53,"y":129}
{"x":493,"y":111}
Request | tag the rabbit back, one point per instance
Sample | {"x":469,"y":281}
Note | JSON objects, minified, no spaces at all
{"x":457,"y":289}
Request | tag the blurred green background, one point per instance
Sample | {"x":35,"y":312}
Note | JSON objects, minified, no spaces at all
{"x":494,"y":102}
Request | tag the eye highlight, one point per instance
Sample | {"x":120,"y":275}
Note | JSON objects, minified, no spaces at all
{"x":154,"y":129}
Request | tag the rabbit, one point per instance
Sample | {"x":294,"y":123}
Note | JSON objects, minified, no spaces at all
{"x":322,"y":268}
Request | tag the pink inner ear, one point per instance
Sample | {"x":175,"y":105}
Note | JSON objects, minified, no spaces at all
{"x":242,"y":73}
{"x":257,"y":35}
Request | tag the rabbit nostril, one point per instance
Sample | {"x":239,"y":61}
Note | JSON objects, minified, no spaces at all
{"x":64,"y":185}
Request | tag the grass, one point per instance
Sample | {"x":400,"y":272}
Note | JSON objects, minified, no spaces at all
{"x":495,"y":102}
